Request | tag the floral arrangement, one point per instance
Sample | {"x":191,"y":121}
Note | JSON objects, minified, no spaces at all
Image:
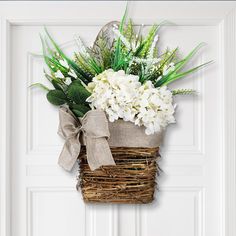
{"x":123,"y":73}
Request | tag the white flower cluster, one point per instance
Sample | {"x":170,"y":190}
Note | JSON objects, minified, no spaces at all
{"x":122,"y":96}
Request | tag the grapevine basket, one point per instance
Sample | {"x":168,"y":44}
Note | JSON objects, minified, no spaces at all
{"x":129,"y":175}
{"x":132,"y":180}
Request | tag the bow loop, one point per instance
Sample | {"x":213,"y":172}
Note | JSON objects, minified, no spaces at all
{"x":68,"y":124}
{"x":94,"y":128}
{"x":95,"y":124}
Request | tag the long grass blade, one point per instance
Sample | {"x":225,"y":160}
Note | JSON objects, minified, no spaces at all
{"x":40,"y":86}
{"x":183,"y":62}
{"x":79,"y":72}
{"x":181,"y":75}
{"x":118,"y":42}
{"x":46,"y":58}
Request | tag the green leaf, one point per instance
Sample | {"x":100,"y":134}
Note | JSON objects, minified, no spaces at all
{"x":46,"y":58}
{"x":183,"y":91}
{"x":78,"y":113}
{"x":94,"y":65}
{"x":40,"y":86}
{"x":181,"y":75}
{"x":183,"y":62}
{"x":168,"y":58}
{"x":79,"y":109}
{"x":84,"y":64}
{"x":129,"y":31}
{"x":170,"y":77}
{"x":56,"y":97}
{"x":77,"y":92}
{"x":139,"y":49}
{"x":79,"y":72}
{"x":118,"y":42}
{"x":57,"y":65}
{"x":50,"y":51}
{"x":56,"y":85}
{"x":148,"y":41}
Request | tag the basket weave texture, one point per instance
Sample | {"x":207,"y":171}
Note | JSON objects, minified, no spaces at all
{"x":132,"y":180}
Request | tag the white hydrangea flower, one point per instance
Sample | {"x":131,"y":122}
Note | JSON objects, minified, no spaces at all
{"x":122,"y":96}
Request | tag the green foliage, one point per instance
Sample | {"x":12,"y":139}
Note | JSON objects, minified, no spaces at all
{"x":57,"y":62}
{"x":39,"y":85}
{"x":155,"y":72}
{"x":56,"y":97}
{"x":176,"y":73}
{"x":79,"y":109}
{"x":56,"y":85}
{"x":78,"y":113}
{"x":118,"y":57}
{"x":148,"y":42}
{"x":129,"y":31}
{"x":100,"y":56}
{"x":183,"y":91}
{"x":129,"y":51}
{"x":77,"y":93}
{"x":103,"y":52}
{"x":85,"y":65}
{"x":85,"y":77}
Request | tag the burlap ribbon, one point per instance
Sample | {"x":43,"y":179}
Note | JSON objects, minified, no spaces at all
{"x":91,"y":130}
{"x":94,"y":131}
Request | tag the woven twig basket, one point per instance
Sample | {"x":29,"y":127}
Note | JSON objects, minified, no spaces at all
{"x":132,"y":180}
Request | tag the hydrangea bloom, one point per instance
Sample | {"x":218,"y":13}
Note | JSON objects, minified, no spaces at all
{"x":122,"y":96}
{"x":155,"y":109}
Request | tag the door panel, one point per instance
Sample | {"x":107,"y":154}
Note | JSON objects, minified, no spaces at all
{"x":44,"y":200}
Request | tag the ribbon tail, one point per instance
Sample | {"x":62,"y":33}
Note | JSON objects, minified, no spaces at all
{"x":69,"y":154}
{"x":98,"y":153}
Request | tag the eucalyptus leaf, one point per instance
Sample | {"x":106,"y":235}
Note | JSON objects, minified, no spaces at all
{"x":83,"y":109}
{"x":78,"y":113}
{"x":56,"y":97}
{"x":77,"y":92}
{"x":56,"y":85}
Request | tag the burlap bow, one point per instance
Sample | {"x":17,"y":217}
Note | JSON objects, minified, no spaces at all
{"x":94,"y":127}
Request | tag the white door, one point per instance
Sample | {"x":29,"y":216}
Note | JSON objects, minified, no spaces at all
{"x":44,"y":201}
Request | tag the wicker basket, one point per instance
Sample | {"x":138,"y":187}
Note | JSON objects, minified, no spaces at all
{"x":132,"y":180}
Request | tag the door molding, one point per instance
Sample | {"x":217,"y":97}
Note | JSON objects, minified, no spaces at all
{"x":222,"y":14}
{"x":229,"y":165}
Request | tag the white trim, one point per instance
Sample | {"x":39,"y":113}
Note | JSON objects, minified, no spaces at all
{"x":225,"y":18}
{"x":4,"y":131}
{"x":222,"y":120}
{"x":230,"y":122}
{"x":100,"y":22}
